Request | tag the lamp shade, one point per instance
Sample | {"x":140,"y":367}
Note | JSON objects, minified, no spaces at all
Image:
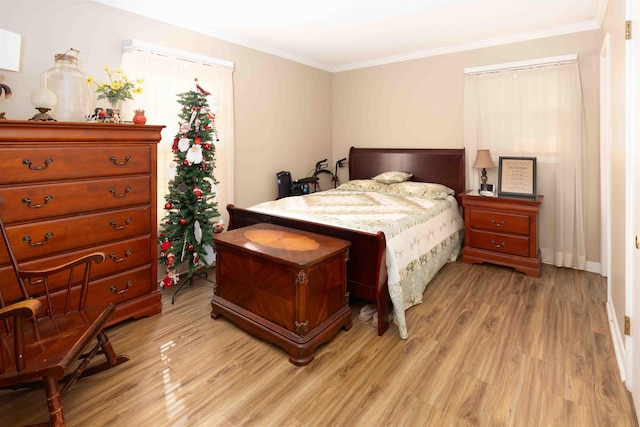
{"x":43,"y":98}
{"x":483,"y":160}
{"x":10,"y":48}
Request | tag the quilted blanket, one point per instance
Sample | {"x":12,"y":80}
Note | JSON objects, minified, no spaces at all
{"x":422,"y":233}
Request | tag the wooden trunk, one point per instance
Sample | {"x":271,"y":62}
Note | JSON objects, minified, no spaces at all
{"x":286,"y":286}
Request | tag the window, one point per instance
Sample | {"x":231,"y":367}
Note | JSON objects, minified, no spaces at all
{"x":166,"y":73}
{"x":536,"y":111}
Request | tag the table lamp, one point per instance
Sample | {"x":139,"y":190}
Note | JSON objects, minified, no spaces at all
{"x":43,"y":100}
{"x":484,"y":162}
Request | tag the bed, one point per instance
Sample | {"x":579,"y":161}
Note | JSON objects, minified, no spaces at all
{"x":373,"y":246}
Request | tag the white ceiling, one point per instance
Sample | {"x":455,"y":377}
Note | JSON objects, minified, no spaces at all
{"x":338,"y":35}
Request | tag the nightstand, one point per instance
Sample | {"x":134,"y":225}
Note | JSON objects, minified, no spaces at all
{"x":502,"y":231}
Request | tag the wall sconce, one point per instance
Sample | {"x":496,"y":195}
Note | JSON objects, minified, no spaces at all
{"x":484,"y":162}
{"x":10,"y":58}
{"x":10,"y":48}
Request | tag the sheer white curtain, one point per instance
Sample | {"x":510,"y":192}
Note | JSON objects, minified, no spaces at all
{"x":536,"y":112}
{"x":165,"y":76}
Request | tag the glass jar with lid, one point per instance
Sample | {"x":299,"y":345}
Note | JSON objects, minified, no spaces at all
{"x":70,"y":86}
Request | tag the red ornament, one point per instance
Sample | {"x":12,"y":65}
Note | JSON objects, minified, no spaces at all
{"x":190,"y":247}
{"x":202,"y":91}
{"x":168,"y":205}
{"x":167,"y":282}
{"x":185,"y":162}
{"x":183,"y":221}
{"x":206,"y":146}
{"x":197,"y":192}
{"x":198,"y":140}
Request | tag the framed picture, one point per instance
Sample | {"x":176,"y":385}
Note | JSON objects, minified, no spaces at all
{"x":517,"y":177}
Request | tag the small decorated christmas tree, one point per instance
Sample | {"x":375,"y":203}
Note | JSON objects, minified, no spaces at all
{"x":192,"y":217}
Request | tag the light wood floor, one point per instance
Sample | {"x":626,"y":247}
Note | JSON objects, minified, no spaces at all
{"x":488,"y":347}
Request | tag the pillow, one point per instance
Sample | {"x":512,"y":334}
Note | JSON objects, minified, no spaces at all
{"x":361,"y":185}
{"x":392,"y":177}
{"x":420,"y":189}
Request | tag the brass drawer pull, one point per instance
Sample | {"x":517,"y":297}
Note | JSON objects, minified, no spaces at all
{"x":498,"y":224}
{"x":47,"y":199}
{"x":28,"y":163}
{"x":27,"y":239}
{"x":498,"y":245}
{"x":126,"y":191}
{"x":120,"y":227}
{"x":115,"y":160}
{"x":124,"y":258}
{"x":121,"y":291}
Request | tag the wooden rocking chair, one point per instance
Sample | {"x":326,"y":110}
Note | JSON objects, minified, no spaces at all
{"x":47,"y":340}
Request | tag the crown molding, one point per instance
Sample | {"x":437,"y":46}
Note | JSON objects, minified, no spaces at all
{"x":201,"y":28}
{"x":549,"y":32}
{"x":601,"y":9}
{"x":150,"y":12}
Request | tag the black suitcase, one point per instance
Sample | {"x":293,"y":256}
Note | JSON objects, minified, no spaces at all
{"x":284,"y":184}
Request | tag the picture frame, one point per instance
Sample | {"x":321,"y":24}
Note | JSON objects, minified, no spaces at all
{"x":517,"y":177}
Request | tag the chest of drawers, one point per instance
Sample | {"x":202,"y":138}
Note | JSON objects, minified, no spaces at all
{"x":502,"y":231}
{"x":70,"y":189}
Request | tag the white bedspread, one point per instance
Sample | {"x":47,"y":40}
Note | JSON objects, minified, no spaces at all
{"x":422,"y":234}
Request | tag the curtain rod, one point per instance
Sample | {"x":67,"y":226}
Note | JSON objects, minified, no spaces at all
{"x":522,"y":64}
{"x":182,"y":54}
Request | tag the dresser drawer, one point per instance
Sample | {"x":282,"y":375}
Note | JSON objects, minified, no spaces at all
{"x":120,"y":256}
{"x":83,"y":231}
{"x":121,"y":287}
{"x":41,"y":164}
{"x":38,"y":201}
{"x":110,"y":290}
{"x":499,"y":221}
{"x":497,"y":242}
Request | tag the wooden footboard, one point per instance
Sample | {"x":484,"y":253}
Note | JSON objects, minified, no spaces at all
{"x":366,"y":269}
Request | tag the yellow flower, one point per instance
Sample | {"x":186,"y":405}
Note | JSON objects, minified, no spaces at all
{"x":118,"y":88}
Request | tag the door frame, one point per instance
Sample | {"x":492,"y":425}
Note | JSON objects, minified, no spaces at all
{"x":605,"y":159}
{"x":632,"y":214}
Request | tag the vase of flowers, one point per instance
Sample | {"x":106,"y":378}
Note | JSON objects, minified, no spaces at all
{"x":119,"y":88}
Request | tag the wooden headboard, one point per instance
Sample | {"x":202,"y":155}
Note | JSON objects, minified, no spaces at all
{"x":444,"y":166}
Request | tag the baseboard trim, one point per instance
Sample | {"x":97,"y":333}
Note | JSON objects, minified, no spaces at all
{"x":590,"y":266}
{"x":594,"y":267}
{"x":618,"y":340}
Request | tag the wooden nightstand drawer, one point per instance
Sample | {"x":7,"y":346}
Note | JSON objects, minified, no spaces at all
{"x":505,"y":243}
{"x":499,"y":221}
